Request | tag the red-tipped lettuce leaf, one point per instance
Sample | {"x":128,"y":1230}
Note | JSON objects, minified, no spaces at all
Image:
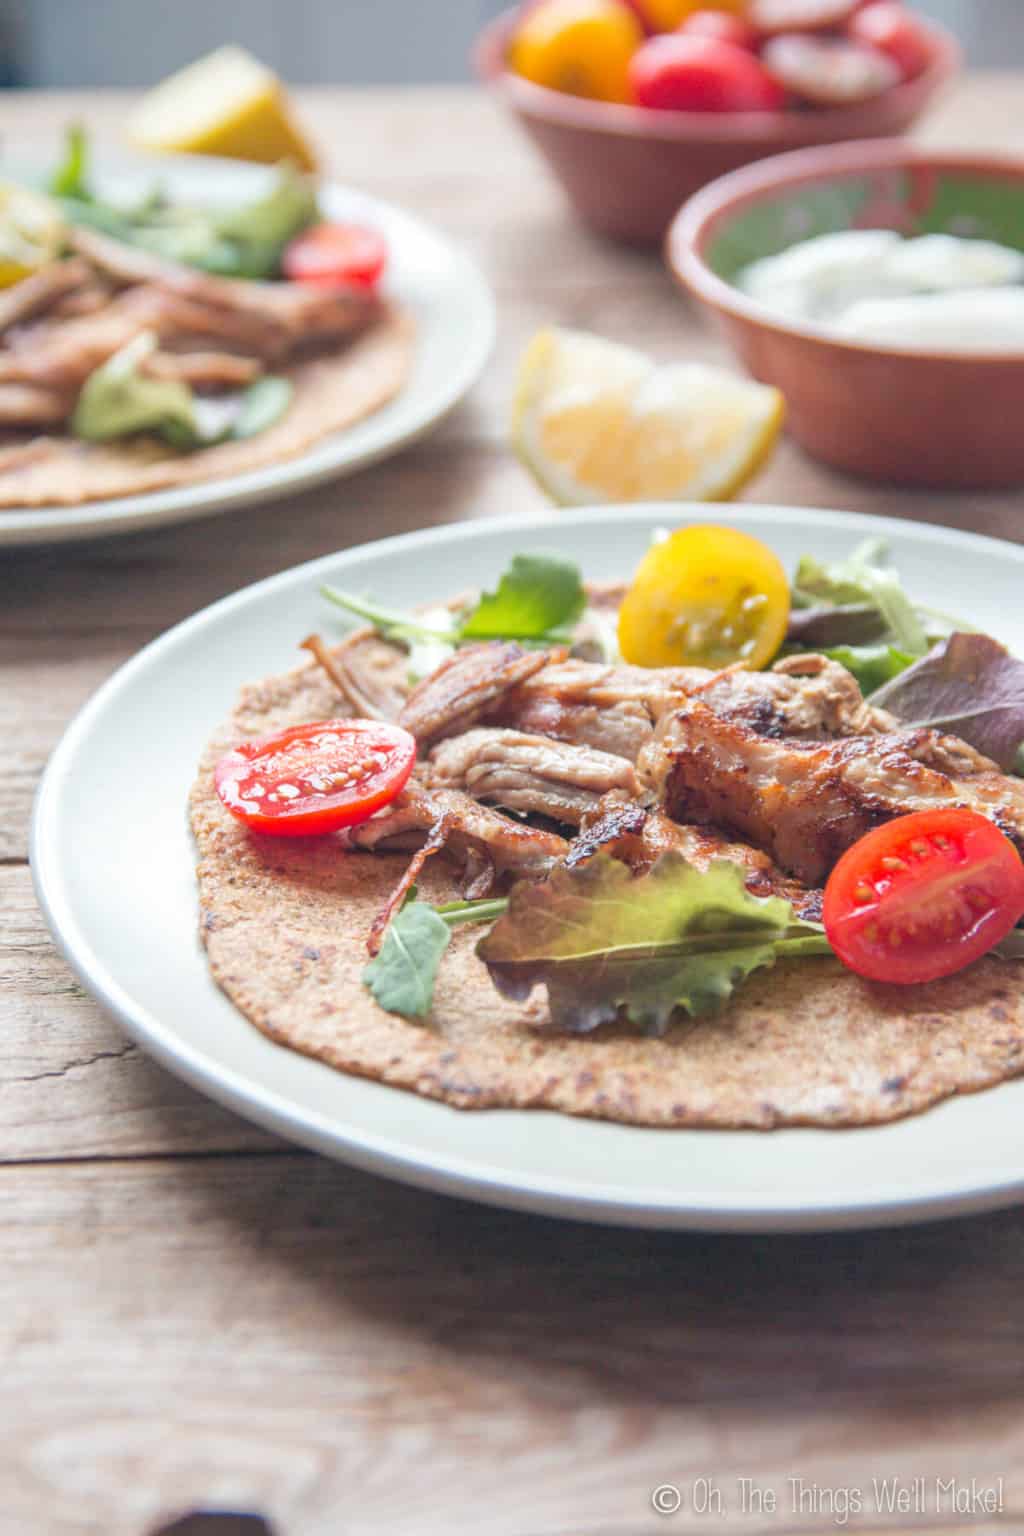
{"x":603,"y":940}
{"x":970,"y":686}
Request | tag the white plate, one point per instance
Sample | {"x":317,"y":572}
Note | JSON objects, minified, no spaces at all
{"x":113,"y":864}
{"x":445,"y":291}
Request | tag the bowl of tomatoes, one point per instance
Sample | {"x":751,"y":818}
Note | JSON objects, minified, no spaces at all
{"x":636,"y":104}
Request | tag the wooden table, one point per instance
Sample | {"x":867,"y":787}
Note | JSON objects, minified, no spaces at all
{"x":192,"y":1312}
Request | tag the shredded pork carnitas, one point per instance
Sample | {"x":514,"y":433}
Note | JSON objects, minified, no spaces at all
{"x":777,"y":772}
{"x":214,"y":333}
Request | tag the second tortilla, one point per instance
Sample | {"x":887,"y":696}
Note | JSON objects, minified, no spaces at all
{"x":332,"y":392}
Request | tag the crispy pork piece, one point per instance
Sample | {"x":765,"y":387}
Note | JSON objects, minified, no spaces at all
{"x":805,"y":803}
{"x":33,"y":405}
{"x":203,"y":370}
{"x":93,"y":295}
{"x":466,"y":686}
{"x":622,"y":728}
{"x":40,"y":290}
{"x":530,"y":773}
{"x":369,"y":672}
{"x":61,"y":354}
{"x":614,"y":826}
{"x":481,"y":836}
{"x":639,"y":835}
{"x":809,"y":697}
{"x":303,"y":312}
{"x":700,"y":846}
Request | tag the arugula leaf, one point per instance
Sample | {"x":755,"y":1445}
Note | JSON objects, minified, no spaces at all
{"x":387,"y":621}
{"x":539,"y":598}
{"x":602,"y":939}
{"x":969,"y":685}
{"x":402,"y":976}
{"x":263,"y":402}
{"x":536,"y":596}
{"x":70,"y":179}
{"x":871,"y":665}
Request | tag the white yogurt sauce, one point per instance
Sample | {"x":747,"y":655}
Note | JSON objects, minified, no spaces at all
{"x":938,"y":293}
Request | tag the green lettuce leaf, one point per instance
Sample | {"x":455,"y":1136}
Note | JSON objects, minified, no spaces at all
{"x":859,"y":580}
{"x":536,"y":596}
{"x":601,"y":939}
{"x":118,"y":399}
{"x":871,"y":665}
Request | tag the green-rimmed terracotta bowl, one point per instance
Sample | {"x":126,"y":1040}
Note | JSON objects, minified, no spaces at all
{"x":948,"y":420}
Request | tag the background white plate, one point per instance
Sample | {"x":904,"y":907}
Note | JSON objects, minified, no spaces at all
{"x":447,"y":293}
{"x":113,"y":863}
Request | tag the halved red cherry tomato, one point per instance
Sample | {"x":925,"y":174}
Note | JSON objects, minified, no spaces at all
{"x":923,"y":896}
{"x":678,"y":73}
{"x":722,"y":26}
{"x":828,"y":72}
{"x":336,"y":256}
{"x":770,"y":17}
{"x":897,"y":32}
{"x":316,"y":778}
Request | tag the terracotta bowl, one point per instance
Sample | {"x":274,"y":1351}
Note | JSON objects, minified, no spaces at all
{"x":953,"y":421}
{"x":626,"y":170}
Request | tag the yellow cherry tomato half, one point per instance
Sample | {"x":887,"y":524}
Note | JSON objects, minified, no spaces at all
{"x":705,"y":597}
{"x":582,"y":47}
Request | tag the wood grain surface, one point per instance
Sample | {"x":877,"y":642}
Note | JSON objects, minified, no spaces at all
{"x":192,"y":1313}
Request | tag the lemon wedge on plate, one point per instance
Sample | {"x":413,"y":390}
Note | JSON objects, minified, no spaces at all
{"x":31,"y":232}
{"x":226,"y":103}
{"x":594,"y":421}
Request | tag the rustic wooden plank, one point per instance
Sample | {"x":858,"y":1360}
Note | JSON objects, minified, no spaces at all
{"x":71,"y":1083}
{"x":353,"y":1356}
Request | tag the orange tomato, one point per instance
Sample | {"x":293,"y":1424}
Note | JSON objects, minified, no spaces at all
{"x":666,"y":15}
{"x":582,"y":47}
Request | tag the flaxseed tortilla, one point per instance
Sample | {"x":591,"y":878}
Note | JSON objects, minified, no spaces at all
{"x":284,"y":922}
{"x":331,"y":392}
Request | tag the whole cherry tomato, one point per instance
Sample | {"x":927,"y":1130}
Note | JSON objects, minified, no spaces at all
{"x":897,"y":32}
{"x":722,"y":27}
{"x":923,"y":896}
{"x":582,"y":47}
{"x":698,"y":74}
{"x":315,"y":778}
{"x":335,"y":256}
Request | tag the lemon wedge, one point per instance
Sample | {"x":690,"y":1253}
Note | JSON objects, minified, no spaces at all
{"x":226,"y":103}
{"x":595,"y":421}
{"x":31,"y":232}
